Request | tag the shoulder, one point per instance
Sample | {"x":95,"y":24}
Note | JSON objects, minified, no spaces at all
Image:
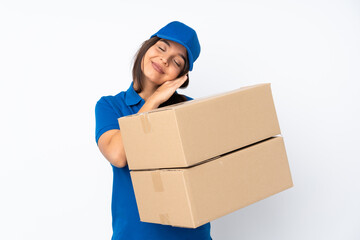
{"x":111,"y":103}
{"x":110,"y":98}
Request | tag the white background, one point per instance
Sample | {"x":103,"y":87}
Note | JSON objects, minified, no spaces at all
{"x":57,"y":58}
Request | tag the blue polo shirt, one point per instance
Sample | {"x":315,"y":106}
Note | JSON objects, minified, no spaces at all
{"x":125,"y":216}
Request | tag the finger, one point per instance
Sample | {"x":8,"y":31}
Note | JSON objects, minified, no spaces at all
{"x":181,"y":81}
{"x":176,"y":81}
{"x":183,"y":78}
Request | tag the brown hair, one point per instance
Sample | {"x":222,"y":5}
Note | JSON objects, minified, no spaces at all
{"x":138,"y":75}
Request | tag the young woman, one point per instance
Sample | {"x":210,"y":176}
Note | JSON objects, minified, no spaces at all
{"x":161,"y":67}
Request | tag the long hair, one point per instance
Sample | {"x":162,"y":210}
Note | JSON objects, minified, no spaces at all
{"x":138,"y":75}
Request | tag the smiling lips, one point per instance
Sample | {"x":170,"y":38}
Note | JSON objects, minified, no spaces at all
{"x":157,"y":67}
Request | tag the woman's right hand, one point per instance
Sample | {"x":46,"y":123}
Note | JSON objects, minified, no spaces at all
{"x":167,"y":89}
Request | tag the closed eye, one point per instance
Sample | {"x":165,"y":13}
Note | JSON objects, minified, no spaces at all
{"x":176,"y":63}
{"x":162,"y":49}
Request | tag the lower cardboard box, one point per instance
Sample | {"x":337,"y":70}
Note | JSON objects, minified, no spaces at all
{"x":190,"y":197}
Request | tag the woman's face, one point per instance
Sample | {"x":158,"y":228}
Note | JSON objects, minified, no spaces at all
{"x":163,"y":61}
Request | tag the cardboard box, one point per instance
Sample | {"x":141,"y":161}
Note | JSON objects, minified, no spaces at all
{"x":190,"y":197}
{"x":185,"y":134}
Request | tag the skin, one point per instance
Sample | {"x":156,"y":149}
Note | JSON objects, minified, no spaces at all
{"x":161,"y":65}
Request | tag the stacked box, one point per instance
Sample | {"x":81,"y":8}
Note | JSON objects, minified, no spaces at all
{"x":199,"y":160}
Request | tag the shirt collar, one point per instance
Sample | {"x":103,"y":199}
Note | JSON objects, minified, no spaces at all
{"x":132,"y":97}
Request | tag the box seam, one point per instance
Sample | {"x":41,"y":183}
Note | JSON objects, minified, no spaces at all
{"x":180,"y":139}
{"x":187,"y":190}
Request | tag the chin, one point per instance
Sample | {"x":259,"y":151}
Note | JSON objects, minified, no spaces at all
{"x":154,"y":80}
{"x":152,"y":76}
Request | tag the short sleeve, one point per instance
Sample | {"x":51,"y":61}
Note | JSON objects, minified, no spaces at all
{"x":106,"y":118}
{"x":188,"y":98}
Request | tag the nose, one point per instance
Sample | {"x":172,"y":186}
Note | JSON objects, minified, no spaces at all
{"x":164,"y":59}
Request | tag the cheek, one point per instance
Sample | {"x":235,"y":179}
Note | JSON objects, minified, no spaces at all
{"x":174,"y":72}
{"x":151,"y":52}
{"x":142,"y":64}
{"x":146,"y":60}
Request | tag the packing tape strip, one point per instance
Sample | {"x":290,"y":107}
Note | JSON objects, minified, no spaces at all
{"x":164,"y":219}
{"x":145,"y":123}
{"x":157,"y":182}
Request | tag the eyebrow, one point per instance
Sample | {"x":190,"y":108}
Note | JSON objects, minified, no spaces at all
{"x":167,"y":43}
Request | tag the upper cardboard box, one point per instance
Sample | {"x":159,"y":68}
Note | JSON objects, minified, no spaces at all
{"x":185,"y":134}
